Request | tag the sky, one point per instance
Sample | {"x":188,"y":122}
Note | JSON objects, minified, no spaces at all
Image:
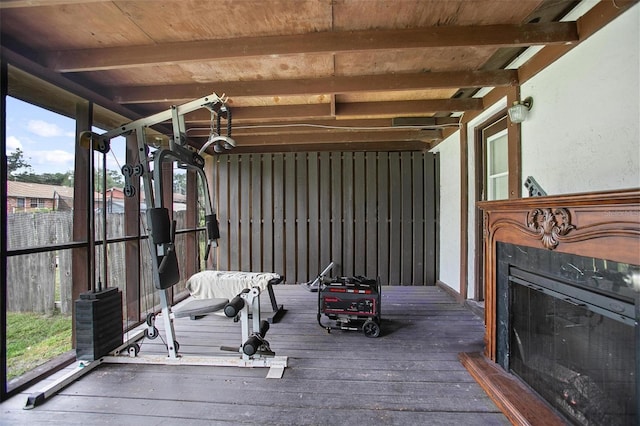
{"x":47,"y":139}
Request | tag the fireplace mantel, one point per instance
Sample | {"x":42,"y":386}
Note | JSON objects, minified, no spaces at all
{"x":602,"y":225}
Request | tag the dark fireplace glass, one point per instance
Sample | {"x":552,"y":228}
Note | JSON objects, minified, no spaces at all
{"x":579,"y":361}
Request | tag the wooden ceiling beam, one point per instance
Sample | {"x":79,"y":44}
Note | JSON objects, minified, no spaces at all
{"x":309,"y":131}
{"x":417,"y":123}
{"x":272,"y":113}
{"x":400,"y":108}
{"x":319,"y":86}
{"x":287,"y":138}
{"x":344,"y":111}
{"x":8,"y":4}
{"x":109,"y":58}
{"x":332,"y":146}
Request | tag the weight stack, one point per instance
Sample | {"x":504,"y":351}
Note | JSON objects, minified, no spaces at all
{"x":98,"y":323}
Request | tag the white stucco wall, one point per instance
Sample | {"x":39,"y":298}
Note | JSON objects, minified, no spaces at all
{"x":449,"y":220}
{"x":582,"y":133}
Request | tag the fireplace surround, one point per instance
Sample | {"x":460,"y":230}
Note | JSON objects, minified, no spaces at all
{"x":559,"y":282}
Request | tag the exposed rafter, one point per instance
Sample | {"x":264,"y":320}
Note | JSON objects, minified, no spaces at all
{"x":285,"y":137}
{"x":345,"y":110}
{"x":318,"y":86}
{"x":322,"y":42}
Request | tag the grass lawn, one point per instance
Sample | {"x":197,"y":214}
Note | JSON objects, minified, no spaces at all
{"x":33,"y":339}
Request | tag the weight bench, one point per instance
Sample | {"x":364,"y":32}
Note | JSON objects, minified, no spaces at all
{"x":197,"y":308}
{"x":211,"y":288}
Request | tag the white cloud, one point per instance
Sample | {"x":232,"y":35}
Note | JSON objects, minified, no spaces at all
{"x":44,"y":129}
{"x":13,"y":143}
{"x":55,"y":157}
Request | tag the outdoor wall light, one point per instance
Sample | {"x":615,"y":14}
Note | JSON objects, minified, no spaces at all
{"x":519,"y":110}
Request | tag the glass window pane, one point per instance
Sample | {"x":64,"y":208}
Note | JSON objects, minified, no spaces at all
{"x":578,"y":360}
{"x":40,"y":159}
{"x":499,"y":188}
{"x":498,"y":151}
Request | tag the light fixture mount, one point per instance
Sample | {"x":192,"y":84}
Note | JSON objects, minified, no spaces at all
{"x":519,"y":110}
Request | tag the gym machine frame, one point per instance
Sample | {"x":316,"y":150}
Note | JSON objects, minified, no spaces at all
{"x":163,"y":250}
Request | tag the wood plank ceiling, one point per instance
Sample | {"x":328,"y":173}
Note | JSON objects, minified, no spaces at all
{"x":299,"y":74}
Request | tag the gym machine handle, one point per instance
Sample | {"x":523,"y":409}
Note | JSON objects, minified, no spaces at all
{"x":213,"y":232}
{"x":253,"y":343}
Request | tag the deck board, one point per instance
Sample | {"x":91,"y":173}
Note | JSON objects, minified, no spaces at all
{"x":410,"y":375}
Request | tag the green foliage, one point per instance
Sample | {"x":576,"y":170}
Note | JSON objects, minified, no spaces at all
{"x":33,"y":339}
{"x":114,"y":179}
{"x":15,"y":162}
{"x":180,"y":183}
{"x":60,"y":179}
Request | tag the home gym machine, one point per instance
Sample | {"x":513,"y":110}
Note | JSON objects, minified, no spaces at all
{"x":253,"y":350}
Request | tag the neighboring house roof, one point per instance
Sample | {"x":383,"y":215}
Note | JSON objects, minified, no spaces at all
{"x":37,"y":190}
{"x":118,"y":193}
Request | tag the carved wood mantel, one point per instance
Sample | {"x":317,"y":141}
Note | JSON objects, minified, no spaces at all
{"x":602,"y":224}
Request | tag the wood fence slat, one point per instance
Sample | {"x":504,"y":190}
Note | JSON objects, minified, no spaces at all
{"x":406,"y":226}
{"x":417,"y":266}
{"x":371,"y":214}
{"x":325,"y":210}
{"x":383,"y":217}
{"x":359,"y":220}
{"x":395,"y":209}
{"x":431,"y":214}
{"x":336,"y":213}
{"x":302,"y":214}
{"x":313,"y":243}
{"x":255,"y":219}
{"x":222,"y":207}
{"x":290,"y":215}
{"x":278,"y":215}
{"x":234,"y":213}
{"x":348,"y":252}
{"x":267,"y":213}
{"x":64,"y":273}
{"x":244,"y":185}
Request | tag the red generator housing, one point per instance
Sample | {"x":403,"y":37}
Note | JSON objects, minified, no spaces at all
{"x":351,"y":303}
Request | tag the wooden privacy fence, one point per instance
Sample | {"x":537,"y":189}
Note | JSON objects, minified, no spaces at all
{"x":371,"y":213}
{"x":37,"y":281}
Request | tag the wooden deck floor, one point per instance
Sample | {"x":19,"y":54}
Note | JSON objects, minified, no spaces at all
{"x":410,"y":375}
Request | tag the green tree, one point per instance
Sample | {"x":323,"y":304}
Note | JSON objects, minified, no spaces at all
{"x":180,"y":183}
{"x":15,"y":162}
{"x":114,"y":179}
{"x":61,"y":179}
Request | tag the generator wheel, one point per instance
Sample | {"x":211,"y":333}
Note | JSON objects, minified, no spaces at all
{"x":371,"y":328}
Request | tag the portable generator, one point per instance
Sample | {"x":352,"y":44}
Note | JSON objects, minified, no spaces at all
{"x":352,"y":303}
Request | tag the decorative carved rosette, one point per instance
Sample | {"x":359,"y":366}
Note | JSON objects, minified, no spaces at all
{"x":550,"y":224}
